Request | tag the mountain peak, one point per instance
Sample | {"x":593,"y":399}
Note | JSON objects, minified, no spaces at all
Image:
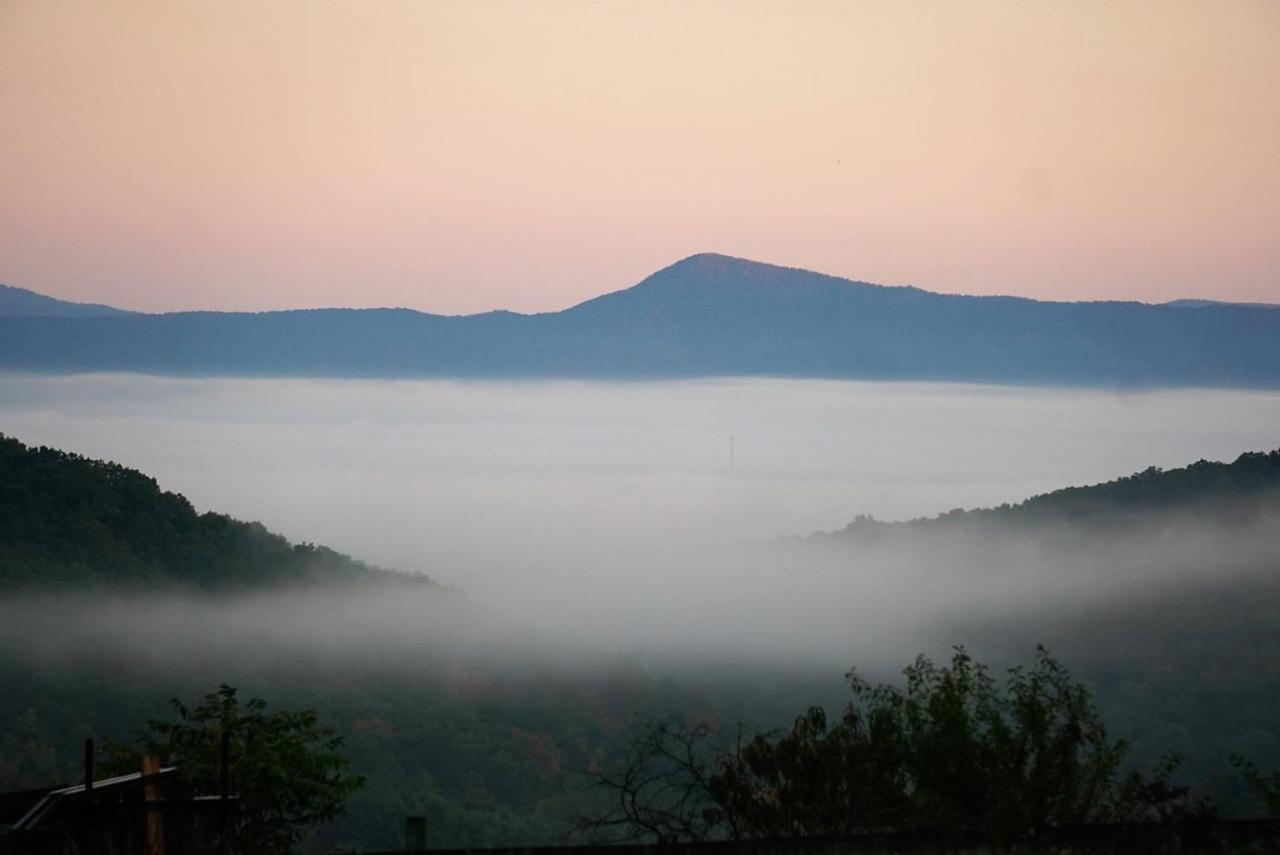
{"x":727,"y":277}
{"x":713,"y":263}
{"x":712,"y":259}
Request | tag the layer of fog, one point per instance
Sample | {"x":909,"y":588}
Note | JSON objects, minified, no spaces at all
{"x":589,"y":520}
{"x":821,"y":606}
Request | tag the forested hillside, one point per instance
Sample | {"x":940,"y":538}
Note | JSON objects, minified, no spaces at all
{"x":1220,"y":490}
{"x":1163,"y":587}
{"x":67,"y":521}
{"x":496,"y":745}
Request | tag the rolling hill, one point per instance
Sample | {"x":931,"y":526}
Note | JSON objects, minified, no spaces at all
{"x":708,"y":315}
{"x":69,"y":522}
{"x":1241,"y":491}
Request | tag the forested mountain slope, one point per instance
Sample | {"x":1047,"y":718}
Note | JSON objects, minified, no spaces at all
{"x":68,"y":521}
{"x":1206,"y":488}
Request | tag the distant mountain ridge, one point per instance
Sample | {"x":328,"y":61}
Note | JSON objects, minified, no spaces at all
{"x":1197,"y":303}
{"x":707,"y":315}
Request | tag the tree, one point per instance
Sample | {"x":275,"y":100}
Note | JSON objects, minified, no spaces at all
{"x":663,"y":791}
{"x":953,"y":752}
{"x":1265,"y":787}
{"x":286,"y":771}
{"x":25,"y":756}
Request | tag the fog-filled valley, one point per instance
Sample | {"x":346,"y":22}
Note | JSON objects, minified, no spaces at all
{"x":709,"y":548}
{"x":491,"y":485}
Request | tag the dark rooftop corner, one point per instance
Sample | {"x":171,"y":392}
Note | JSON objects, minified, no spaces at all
{"x":154,"y":810}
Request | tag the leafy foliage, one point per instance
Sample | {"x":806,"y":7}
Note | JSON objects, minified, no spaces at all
{"x":1267,"y":787}
{"x":25,"y":756}
{"x":286,"y":770}
{"x":952,"y":752}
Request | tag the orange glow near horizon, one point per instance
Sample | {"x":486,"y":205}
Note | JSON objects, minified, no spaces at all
{"x":456,"y":157}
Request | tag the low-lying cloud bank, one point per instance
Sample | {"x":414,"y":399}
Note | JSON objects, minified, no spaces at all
{"x":811,"y":605}
{"x":590,"y":521}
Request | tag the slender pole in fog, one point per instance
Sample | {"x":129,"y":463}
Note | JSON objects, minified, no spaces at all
{"x":731,"y":455}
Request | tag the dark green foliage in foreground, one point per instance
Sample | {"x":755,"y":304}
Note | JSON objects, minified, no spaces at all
{"x":69,"y":521}
{"x":492,"y":756}
{"x":26,"y":758}
{"x":1267,"y":787}
{"x":286,"y":770}
{"x":498,"y":759}
{"x":952,"y":752}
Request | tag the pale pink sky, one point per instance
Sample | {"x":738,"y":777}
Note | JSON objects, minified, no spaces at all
{"x":455,"y":157}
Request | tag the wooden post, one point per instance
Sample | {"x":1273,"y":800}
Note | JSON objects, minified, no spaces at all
{"x":88,"y":765}
{"x":224,"y":768}
{"x":415,"y":834}
{"x":151,"y":792}
{"x":224,"y":790}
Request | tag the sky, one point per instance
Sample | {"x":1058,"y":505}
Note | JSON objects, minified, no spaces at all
{"x":459,"y":157}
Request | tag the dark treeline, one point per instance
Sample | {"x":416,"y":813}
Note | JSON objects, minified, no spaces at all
{"x":954,"y":751}
{"x":68,"y":522}
{"x":1218,"y":490}
{"x":491,"y":755}
{"x":948,"y":751}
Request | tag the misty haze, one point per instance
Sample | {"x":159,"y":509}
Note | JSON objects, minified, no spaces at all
{"x":640,"y":517}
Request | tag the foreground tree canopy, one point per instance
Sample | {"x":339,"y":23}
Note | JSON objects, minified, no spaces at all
{"x":953,"y":751}
{"x":286,"y":770}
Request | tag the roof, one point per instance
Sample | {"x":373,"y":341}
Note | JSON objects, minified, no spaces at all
{"x":52,"y":798}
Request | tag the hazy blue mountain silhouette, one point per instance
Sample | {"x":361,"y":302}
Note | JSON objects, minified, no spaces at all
{"x":705,"y":315}
{"x":1200,"y":303}
{"x":19,"y":302}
